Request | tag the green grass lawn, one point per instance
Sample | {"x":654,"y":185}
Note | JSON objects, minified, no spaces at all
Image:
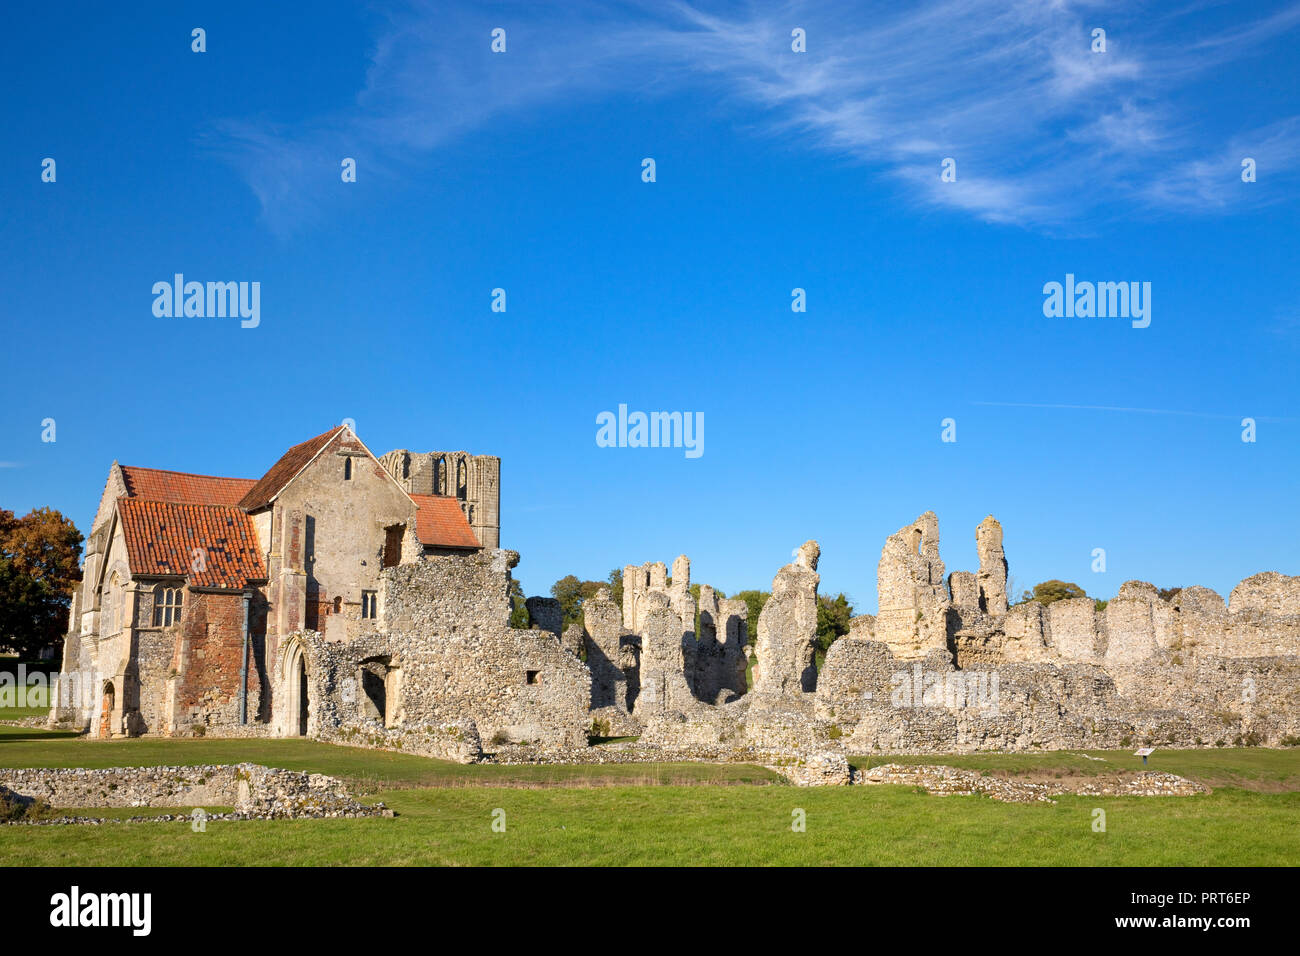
{"x":18,"y":713}
{"x":37,"y":698}
{"x":367,"y":770}
{"x":1253,"y":768}
{"x":719,"y":826}
{"x":589,"y":816}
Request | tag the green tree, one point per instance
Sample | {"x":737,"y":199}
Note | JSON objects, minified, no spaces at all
{"x":615,"y":580}
{"x":1045,"y":592}
{"x":39,"y":556}
{"x":571,"y":592}
{"x":568,"y":591}
{"x":519,"y":616}
{"x":755,"y":601}
{"x":833,"y":615}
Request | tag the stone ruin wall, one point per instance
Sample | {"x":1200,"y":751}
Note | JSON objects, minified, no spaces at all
{"x":645,"y":657}
{"x":248,"y":788}
{"x":946,"y":665}
{"x":442,"y":673}
{"x":721,"y":658}
{"x":949,"y":666}
{"x":1186,"y":671}
{"x":450,"y":673}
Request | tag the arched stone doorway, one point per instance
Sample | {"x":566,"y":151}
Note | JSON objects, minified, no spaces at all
{"x":106,"y":710}
{"x":302,"y":696}
{"x":294,"y":711}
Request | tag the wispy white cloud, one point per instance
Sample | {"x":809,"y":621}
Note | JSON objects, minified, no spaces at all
{"x":1011,"y":90}
{"x":1213,"y":182}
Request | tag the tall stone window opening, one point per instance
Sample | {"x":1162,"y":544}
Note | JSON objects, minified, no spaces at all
{"x":347,"y":468}
{"x":369,"y":605}
{"x":302,"y":696}
{"x":374,"y":696}
{"x":106,"y":710}
{"x":167,"y":603}
{"x":708,"y":630}
{"x":462,"y":480}
{"x":393,"y":545}
{"x":380,"y":685}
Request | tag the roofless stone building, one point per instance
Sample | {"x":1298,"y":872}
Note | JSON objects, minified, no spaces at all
{"x":366,"y":601}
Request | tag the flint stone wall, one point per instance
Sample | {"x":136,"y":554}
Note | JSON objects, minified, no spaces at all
{"x":913,"y":599}
{"x":456,"y":676}
{"x":247,"y":787}
{"x":787,"y":627}
{"x":609,"y":656}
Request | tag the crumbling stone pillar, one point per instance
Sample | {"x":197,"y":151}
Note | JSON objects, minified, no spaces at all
{"x":992,"y":576}
{"x":965,"y":590}
{"x":289,"y":594}
{"x":679,"y":595}
{"x":603,"y":624}
{"x":787,"y":628}
{"x":663,"y":660}
{"x":574,"y":639}
{"x":720,"y":662}
{"x":913,"y":613}
{"x":636,"y":581}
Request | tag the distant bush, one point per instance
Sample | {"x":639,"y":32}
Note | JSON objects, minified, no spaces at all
{"x":1046,"y":592}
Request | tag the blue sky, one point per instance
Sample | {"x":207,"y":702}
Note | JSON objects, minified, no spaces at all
{"x":775,"y":170}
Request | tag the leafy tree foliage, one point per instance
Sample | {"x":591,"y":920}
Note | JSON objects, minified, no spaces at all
{"x":39,"y":556}
{"x":755,"y":601}
{"x":1045,"y":592}
{"x":571,"y":592}
{"x":615,"y":580}
{"x":833,"y":615}
{"x":519,"y":616}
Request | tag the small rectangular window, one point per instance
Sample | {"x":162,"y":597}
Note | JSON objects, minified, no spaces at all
{"x":393,"y":545}
{"x":534,"y":677}
{"x":167,"y":605}
{"x":369,"y":605}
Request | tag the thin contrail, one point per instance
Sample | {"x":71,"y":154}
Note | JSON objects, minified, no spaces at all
{"x":1118,"y":408}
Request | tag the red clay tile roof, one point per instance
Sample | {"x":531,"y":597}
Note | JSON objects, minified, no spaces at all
{"x":161,"y":538}
{"x":183,"y":488}
{"x":290,"y":463}
{"x":439,"y":523}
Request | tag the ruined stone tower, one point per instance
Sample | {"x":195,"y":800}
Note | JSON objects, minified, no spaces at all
{"x":787,"y":628}
{"x":473,"y":480}
{"x":914,"y":601}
